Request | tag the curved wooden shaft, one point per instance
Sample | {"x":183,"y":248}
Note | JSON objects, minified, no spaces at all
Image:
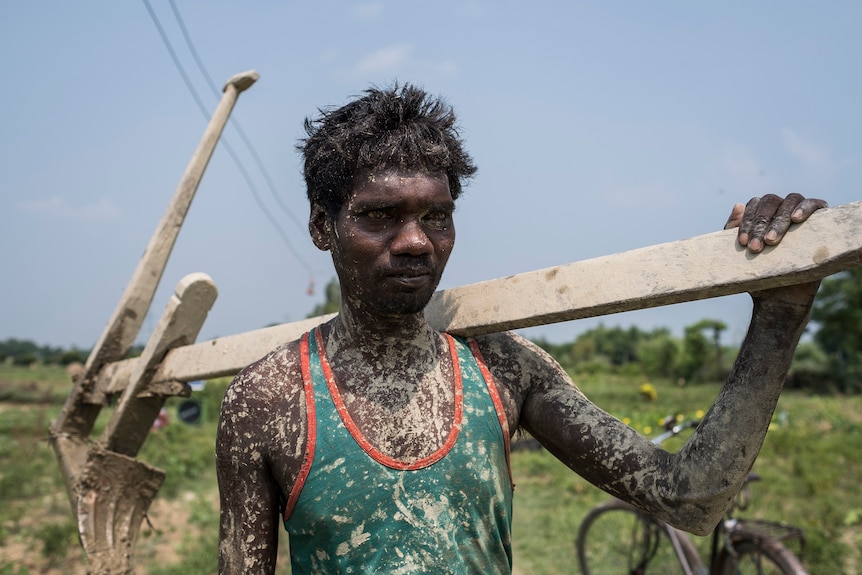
{"x":109,"y":490}
{"x":702,"y":267}
{"x":83,"y":405}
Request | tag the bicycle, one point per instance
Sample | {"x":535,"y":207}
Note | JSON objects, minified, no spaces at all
{"x":616,"y":538}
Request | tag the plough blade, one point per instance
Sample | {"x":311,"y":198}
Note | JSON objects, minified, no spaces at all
{"x":113,"y":496}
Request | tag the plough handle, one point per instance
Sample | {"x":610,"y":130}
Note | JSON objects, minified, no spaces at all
{"x":83,"y":405}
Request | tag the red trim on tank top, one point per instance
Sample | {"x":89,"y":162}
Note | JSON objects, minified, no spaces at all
{"x":365,"y":444}
{"x":498,"y":403}
{"x":311,"y":422}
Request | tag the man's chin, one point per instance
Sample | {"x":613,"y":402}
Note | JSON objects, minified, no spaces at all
{"x":405,"y":303}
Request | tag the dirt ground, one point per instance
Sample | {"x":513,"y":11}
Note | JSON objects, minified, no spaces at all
{"x":168,"y":519}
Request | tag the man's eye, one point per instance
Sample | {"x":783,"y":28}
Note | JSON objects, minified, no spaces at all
{"x":437,"y":218}
{"x":377,"y":214}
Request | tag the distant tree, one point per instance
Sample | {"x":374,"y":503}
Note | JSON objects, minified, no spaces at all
{"x":617,"y":349}
{"x":716,"y":327}
{"x":618,"y":345}
{"x":838,"y":315}
{"x":136,"y":350}
{"x":584,"y":349}
{"x":332,"y":303}
{"x":52,"y":355}
{"x":555,"y":349}
{"x":25,"y":359}
{"x":810,"y":369}
{"x":25,"y":352}
{"x":701,"y":357}
{"x":659,"y":353}
{"x":15,"y":348}
{"x":71,"y":356}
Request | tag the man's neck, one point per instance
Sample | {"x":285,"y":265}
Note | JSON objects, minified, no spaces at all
{"x":397,"y":381}
{"x":382,"y":336}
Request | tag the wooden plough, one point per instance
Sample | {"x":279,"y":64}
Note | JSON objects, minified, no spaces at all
{"x":110,"y":491}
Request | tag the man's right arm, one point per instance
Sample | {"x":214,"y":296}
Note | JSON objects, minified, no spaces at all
{"x":259,"y":449}
{"x":248,"y":536}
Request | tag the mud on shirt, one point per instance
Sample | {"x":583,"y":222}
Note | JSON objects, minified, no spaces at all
{"x":356,"y":510}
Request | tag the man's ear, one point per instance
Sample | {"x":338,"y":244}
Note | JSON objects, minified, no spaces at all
{"x":320,"y":228}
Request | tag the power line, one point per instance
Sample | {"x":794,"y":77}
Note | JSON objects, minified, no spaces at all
{"x":258,"y":200}
{"x":234,"y":122}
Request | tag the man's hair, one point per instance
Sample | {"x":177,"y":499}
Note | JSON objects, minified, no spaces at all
{"x":399,"y":128}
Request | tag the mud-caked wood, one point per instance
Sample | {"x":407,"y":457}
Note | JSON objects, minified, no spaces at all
{"x":698,"y":268}
{"x":109,"y":490}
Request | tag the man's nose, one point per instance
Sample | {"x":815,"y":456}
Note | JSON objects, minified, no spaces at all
{"x":411,"y":239}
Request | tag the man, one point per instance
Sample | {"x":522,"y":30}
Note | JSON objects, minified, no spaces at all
{"x":382,"y":445}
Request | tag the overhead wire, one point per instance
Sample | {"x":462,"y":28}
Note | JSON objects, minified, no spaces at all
{"x":228,"y":148}
{"x":233,"y":121}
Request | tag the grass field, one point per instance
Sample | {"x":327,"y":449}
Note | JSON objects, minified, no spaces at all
{"x":811,"y":466}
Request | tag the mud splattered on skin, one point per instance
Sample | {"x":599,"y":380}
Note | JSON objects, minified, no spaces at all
{"x":690,"y":489}
{"x":395,"y":375}
{"x":259,"y":451}
{"x":263,"y":427}
{"x":398,"y":391}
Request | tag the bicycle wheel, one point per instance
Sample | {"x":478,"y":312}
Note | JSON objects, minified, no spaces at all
{"x":616,"y":539}
{"x":758,"y":557}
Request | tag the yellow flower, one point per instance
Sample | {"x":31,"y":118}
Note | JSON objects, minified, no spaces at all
{"x":648,"y":392}
{"x":647,"y":430}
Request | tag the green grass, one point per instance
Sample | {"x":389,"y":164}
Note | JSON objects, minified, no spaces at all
{"x":36,"y":384}
{"x":811,"y":465}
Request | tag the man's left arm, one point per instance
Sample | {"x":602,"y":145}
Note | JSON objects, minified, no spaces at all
{"x":691,"y":488}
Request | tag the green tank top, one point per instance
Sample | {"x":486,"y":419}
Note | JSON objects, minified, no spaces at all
{"x":355,"y":510}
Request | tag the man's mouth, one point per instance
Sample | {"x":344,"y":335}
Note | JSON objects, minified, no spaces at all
{"x":410,"y":277}
{"x":410,"y":272}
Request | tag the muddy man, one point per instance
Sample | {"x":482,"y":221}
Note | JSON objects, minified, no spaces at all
{"x":382,"y":445}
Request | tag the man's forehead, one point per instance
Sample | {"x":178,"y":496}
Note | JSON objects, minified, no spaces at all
{"x":394,"y":176}
{"x":401,"y":185}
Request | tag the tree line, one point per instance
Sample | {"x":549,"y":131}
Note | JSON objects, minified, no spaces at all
{"x":830,"y":360}
{"x":24,"y":352}
{"x":696,"y":357}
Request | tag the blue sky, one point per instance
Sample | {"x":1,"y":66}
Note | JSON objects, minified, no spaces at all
{"x":597,"y":128}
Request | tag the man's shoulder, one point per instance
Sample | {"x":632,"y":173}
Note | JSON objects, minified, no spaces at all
{"x":506,"y":344}
{"x":263,"y":404}
{"x":278,"y":371}
{"x":512,"y":358}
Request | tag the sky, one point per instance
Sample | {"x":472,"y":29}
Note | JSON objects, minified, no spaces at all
{"x":597,"y":128}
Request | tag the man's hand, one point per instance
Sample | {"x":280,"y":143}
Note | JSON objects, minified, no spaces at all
{"x":764,"y":221}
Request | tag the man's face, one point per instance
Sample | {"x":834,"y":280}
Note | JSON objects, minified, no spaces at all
{"x":391,"y":240}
